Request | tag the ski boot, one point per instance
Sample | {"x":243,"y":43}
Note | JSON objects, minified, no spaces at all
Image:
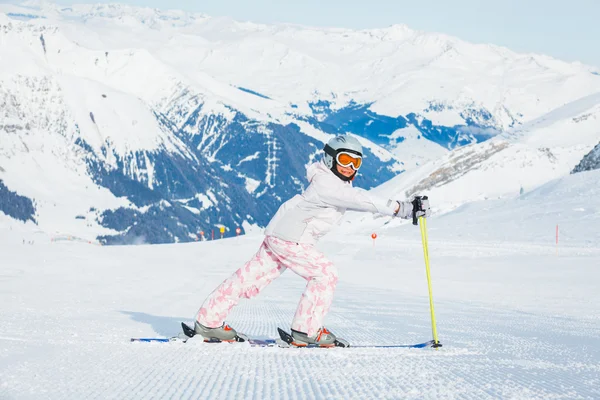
{"x":323,"y":338}
{"x":223,"y":333}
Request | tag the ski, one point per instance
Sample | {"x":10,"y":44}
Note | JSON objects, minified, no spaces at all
{"x":158,"y":340}
{"x":176,"y":339}
{"x":288,"y":339}
{"x":188,"y":333}
{"x":399,"y":346}
{"x":274,"y":342}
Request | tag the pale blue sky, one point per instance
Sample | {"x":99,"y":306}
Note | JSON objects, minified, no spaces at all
{"x":566,"y":29}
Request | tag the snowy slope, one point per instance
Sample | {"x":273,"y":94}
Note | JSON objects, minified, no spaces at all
{"x":516,"y":319}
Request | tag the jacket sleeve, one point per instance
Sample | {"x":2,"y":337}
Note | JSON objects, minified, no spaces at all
{"x":350,"y":198}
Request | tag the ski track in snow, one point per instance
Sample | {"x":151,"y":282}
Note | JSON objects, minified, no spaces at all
{"x":69,"y":310}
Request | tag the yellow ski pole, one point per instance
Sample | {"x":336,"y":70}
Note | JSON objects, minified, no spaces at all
{"x":422,"y":222}
{"x":423,"y":225}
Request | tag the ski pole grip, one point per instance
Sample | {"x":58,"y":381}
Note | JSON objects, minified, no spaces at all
{"x":416,"y":207}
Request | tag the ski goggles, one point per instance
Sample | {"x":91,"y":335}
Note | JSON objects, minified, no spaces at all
{"x":346,"y":159}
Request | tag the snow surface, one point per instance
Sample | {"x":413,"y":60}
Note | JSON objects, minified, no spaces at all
{"x":518,"y":317}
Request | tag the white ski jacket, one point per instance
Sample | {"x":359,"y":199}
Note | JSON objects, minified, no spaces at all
{"x":306,"y":217}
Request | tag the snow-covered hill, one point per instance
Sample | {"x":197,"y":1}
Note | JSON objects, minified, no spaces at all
{"x":134,"y":124}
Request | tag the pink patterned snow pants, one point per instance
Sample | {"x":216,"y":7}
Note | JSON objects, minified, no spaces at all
{"x":271,"y":260}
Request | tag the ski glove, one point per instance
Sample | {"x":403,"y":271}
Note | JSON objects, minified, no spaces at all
{"x":419,"y":207}
{"x":405,"y":209}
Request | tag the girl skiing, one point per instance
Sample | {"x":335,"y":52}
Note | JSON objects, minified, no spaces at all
{"x":289,"y":243}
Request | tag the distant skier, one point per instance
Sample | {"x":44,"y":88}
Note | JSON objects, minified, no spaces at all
{"x":289,"y":243}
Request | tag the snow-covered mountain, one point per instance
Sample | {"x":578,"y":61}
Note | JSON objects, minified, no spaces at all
{"x":507,"y":166}
{"x":130,"y":123}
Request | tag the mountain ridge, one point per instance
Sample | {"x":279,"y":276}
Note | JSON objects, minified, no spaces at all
{"x":191,"y":118}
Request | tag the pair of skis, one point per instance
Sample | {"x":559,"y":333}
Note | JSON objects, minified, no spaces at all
{"x":285,"y":340}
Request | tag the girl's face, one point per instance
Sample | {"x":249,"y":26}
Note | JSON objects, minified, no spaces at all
{"x":346,"y":171}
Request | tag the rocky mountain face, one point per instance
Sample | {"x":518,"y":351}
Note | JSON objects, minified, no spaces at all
{"x":590,"y":161}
